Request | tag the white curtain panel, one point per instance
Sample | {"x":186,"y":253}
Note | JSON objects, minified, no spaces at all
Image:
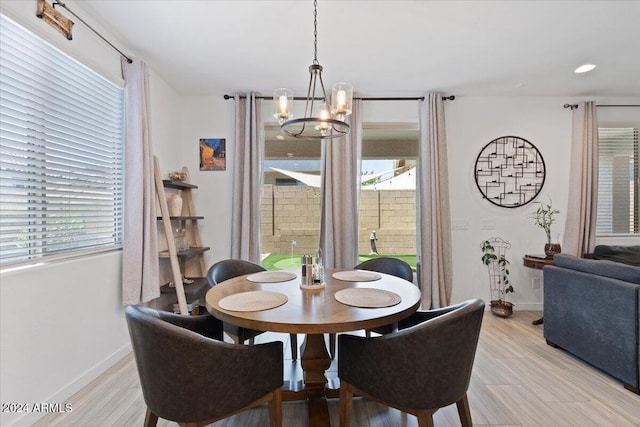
{"x":140,"y":271}
{"x":340,"y":195}
{"x":248,"y":154}
{"x":580,"y":226}
{"x":434,"y":218}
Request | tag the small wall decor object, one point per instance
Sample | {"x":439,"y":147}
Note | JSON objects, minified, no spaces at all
{"x":213,"y":154}
{"x":57,"y":20}
{"x":180,"y":175}
{"x":509,"y":171}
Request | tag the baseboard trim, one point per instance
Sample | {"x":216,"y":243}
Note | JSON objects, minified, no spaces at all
{"x":75,"y":385}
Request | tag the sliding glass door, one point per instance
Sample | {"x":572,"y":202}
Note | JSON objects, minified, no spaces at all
{"x":388,"y":191}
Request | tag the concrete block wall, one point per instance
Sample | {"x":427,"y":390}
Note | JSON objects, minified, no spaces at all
{"x":292,"y":213}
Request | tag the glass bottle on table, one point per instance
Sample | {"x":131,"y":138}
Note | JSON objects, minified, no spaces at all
{"x":318,"y":269}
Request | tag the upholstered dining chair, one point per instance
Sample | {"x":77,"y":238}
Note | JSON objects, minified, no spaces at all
{"x":191,"y":377}
{"x":417,"y":370}
{"x":228,"y":269}
{"x":393,"y":266}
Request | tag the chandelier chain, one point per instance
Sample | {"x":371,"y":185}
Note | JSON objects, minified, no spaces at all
{"x":315,"y":32}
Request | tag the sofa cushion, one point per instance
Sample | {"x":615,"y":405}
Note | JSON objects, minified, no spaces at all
{"x":615,"y":270}
{"x":624,"y":254}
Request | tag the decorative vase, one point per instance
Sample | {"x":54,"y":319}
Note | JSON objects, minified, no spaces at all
{"x":501,"y":308}
{"x":550,"y":249}
{"x":175,"y":205}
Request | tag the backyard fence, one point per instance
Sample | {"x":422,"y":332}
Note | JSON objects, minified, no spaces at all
{"x":292,"y":213}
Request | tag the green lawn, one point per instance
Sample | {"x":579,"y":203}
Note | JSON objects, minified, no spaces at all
{"x":285,"y":261}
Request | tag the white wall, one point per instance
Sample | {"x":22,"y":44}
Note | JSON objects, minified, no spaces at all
{"x":62,"y":324}
{"x":472,"y":122}
{"x":208,"y":117}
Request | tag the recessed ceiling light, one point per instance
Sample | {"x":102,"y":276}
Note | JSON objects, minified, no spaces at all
{"x":280,"y":137}
{"x":585,"y":68}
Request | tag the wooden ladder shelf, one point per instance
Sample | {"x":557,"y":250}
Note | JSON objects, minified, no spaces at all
{"x":189,"y":219}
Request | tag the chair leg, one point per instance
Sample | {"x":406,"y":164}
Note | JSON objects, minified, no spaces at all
{"x":367,"y":333}
{"x":150,"y":419}
{"x":294,"y":346}
{"x":464,"y":412}
{"x":275,"y":409}
{"x":252,"y":341}
{"x":332,"y":345}
{"x":346,"y":397}
{"x":425,"y":418}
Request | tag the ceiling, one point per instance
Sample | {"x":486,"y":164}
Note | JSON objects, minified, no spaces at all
{"x":384,"y":48}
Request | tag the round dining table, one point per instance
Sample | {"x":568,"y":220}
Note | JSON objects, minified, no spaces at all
{"x":347,"y":300}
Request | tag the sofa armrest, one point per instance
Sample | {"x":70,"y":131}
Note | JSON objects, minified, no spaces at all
{"x":594,"y":317}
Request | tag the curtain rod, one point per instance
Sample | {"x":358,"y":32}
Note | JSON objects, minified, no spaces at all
{"x":302,"y":98}
{"x":58,"y":3}
{"x":574,"y":106}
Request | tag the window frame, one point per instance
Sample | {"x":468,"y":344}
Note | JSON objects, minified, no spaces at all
{"x":62,"y":147}
{"x":634,"y":217}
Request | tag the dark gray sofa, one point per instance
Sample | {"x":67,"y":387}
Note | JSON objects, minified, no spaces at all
{"x":592,"y":310}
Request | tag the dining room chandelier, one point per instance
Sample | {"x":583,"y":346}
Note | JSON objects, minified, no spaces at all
{"x":323,"y":118}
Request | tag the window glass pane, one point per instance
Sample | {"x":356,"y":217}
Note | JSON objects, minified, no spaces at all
{"x":290,"y":210}
{"x":388,"y":191}
{"x":291,"y":198}
{"x":61,"y":133}
{"x":617,"y":181}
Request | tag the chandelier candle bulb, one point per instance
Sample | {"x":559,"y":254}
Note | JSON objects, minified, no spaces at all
{"x":283,"y":99}
{"x":323,"y":126}
{"x":342,"y":98}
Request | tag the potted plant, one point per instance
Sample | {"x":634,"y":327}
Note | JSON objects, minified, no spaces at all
{"x":493,"y":256}
{"x":544,"y":217}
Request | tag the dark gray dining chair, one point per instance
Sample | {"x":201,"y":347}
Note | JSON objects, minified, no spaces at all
{"x":393,"y":266}
{"x":228,"y":269}
{"x":387,"y":265}
{"x":417,"y":370}
{"x":191,"y":377}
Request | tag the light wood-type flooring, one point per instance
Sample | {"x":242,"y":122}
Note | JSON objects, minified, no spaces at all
{"x":518,"y":380}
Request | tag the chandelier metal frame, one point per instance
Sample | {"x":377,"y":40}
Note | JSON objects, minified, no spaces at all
{"x":330,"y":123}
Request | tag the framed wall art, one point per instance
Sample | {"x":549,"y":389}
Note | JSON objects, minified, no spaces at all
{"x":509,"y":171}
{"x":213,"y":154}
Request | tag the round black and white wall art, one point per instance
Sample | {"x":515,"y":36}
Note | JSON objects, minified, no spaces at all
{"x":509,"y":171}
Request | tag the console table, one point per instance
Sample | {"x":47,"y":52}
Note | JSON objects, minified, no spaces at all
{"x":538,"y":262}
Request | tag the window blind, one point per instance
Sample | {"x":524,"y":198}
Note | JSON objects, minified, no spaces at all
{"x":617,"y":181}
{"x":61,"y":152}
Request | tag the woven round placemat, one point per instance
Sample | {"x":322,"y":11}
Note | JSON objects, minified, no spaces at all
{"x":356,"y":276}
{"x":271,"y":277}
{"x":367,"y":297}
{"x":253,"y":301}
